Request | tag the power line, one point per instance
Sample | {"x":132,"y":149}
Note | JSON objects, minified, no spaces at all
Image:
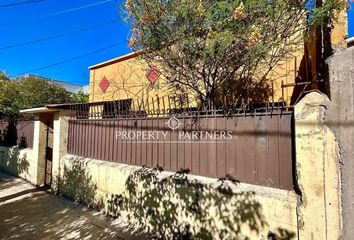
{"x":20,"y":3}
{"x":117,"y":6}
{"x":56,"y":13}
{"x":71,"y":59}
{"x":57,"y":35}
{"x":55,"y":80}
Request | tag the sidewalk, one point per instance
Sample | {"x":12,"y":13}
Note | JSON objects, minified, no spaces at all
{"x":27,"y":213}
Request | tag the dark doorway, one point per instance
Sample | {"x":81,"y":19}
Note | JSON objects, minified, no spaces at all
{"x":49,"y":151}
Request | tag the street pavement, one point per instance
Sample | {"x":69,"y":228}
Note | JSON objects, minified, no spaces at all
{"x":27,"y":212}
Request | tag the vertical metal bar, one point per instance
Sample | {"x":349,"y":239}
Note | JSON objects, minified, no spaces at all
{"x":140,"y":108}
{"x":82,"y":111}
{"x":158,"y":105}
{"x":169,"y":104}
{"x":282,"y":90}
{"x":148,"y":106}
{"x":79,"y":111}
{"x":181,"y":103}
{"x":295,"y":69}
{"x":153,"y":107}
{"x":133,"y":111}
{"x":164,"y":107}
{"x":110,"y":109}
{"x":272,"y":95}
{"x":224,"y":105}
{"x":208,"y":106}
{"x":143,"y":105}
{"x":95,"y":111}
{"x":175,"y":104}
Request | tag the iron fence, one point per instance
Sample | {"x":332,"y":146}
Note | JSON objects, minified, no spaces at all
{"x":171,"y":106}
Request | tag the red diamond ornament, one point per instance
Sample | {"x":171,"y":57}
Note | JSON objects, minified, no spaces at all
{"x":153,"y":74}
{"x":104,"y":84}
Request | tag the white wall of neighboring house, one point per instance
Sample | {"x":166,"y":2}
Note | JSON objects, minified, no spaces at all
{"x":70,"y":87}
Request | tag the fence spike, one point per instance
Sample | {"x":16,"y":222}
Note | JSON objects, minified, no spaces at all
{"x":153,"y":106}
{"x":132,"y":110}
{"x":282,"y":90}
{"x":164,"y":107}
{"x":174,"y":102}
{"x":158,"y":105}
{"x":169,"y":104}
{"x":273,"y":94}
{"x":143,"y":105}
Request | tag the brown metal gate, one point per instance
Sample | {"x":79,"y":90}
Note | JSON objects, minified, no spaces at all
{"x":260,"y":151}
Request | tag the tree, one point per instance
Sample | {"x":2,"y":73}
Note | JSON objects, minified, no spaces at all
{"x":3,"y":77}
{"x":35,"y":92}
{"x":221,"y":48}
{"x":80,"y":97}
{"x":29,"y":92}
{"x":9,"y":105}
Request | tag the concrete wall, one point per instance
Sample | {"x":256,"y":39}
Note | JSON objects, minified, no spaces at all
{"x":163,"y":202}
{"x":341,"y":122}
{"x":30,"y":163}
{"x":61,"y":129}
{"x":317,"y":170}
{"x":24,"y":162}
{"x":19,"y":162}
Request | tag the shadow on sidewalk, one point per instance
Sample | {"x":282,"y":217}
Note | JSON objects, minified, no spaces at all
{"x":42,"y":216}
{"x":12,"y":187}
{"x":20,"y":193}
{"x":27,"y":212}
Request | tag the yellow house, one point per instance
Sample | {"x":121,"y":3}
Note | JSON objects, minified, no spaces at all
{"x":127,"y":77}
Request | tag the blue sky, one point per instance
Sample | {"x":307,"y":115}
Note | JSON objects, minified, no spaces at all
{"x":351,"y":20}
{"x":29,"y":27}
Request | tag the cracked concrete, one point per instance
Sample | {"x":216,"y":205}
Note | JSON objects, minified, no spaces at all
{"x":317,"y":170}
{"x":341,"y":115}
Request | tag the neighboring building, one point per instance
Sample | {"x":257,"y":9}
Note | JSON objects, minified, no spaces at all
{"x":122,"y":78}
{"x":70,"y":87}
